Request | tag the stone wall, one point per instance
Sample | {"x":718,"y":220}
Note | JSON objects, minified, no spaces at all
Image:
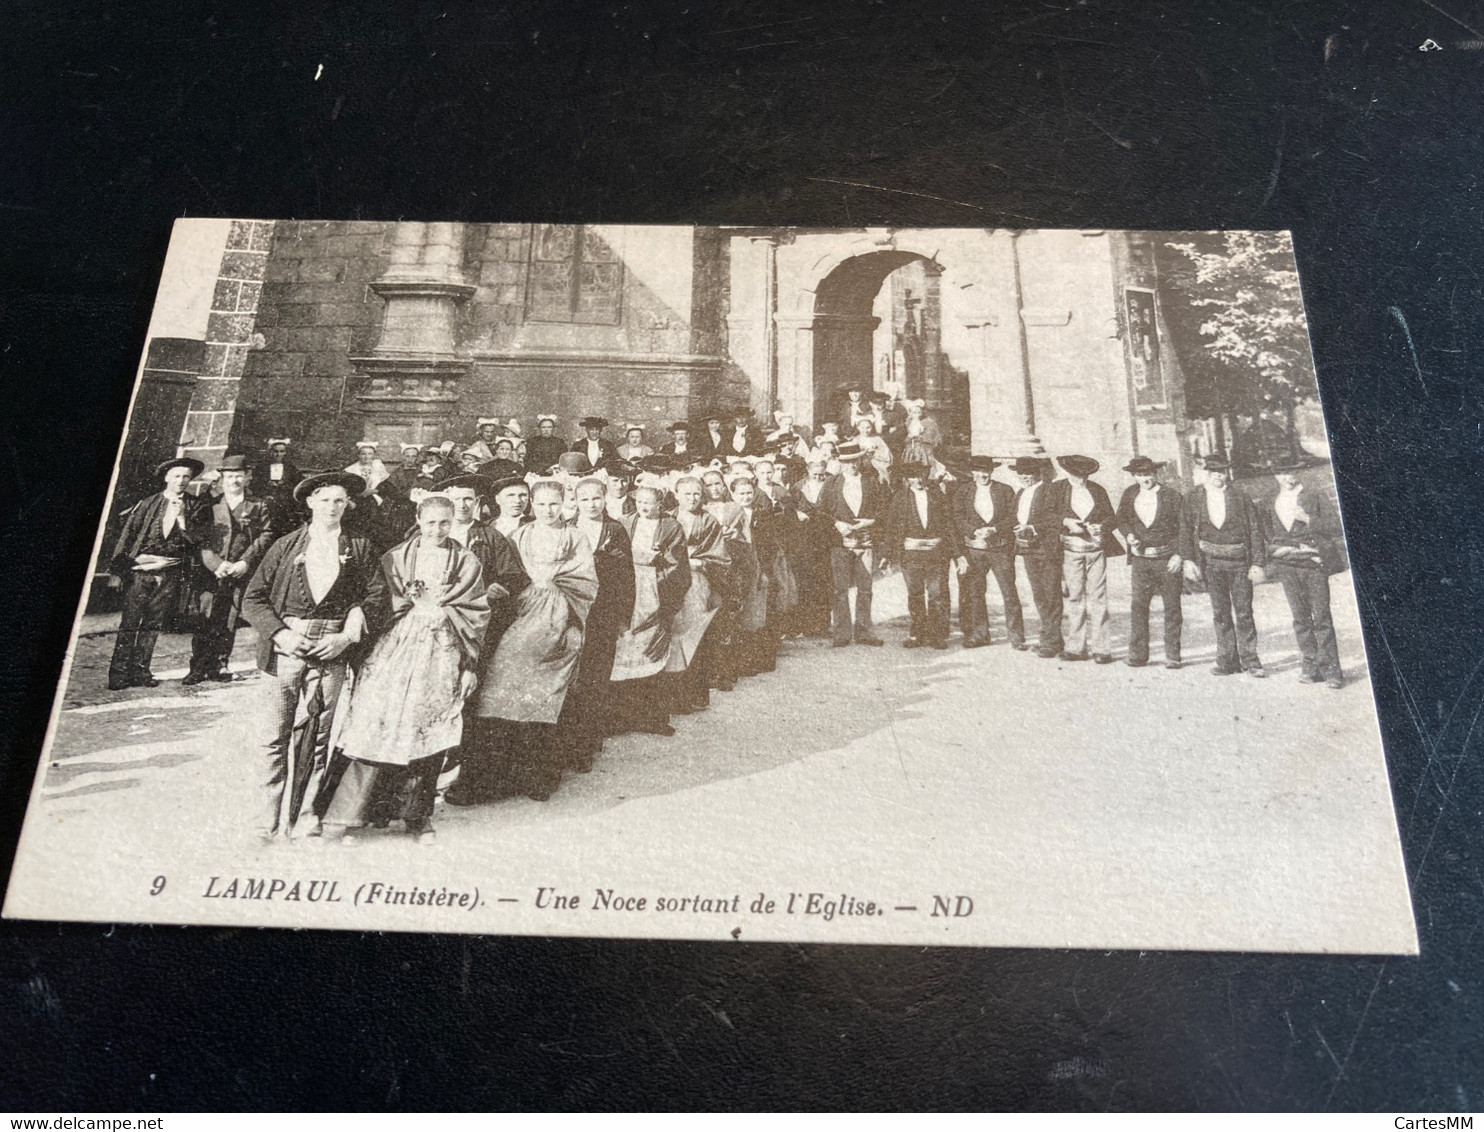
{"x":319,"y":313}
{"x":230,"y":334}
{"x":316,"y":312}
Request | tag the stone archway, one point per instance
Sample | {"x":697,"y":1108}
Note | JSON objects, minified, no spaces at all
{"x":844,"y":324}
{"x":801,"y":323}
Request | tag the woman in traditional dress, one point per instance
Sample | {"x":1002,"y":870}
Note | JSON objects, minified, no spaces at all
{"x":714,"y":486}
{"x":875,"y":448}
{"x":661,"y":579}
{"x":535,"y":663}
{"x":407,"y":706}
{"x":633,"y":449}
{"x":747,"y":598}
{"x":697,"y":628}
{"x":587,"y":714}
{"x":783,"y":589}
{"x":923,"y":435}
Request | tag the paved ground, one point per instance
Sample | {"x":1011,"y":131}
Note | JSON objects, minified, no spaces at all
{"x":1075,"y":804}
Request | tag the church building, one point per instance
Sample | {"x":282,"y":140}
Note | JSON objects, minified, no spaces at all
{"x":328,"y":332}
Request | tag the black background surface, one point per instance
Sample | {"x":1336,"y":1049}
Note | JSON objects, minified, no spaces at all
{"x":1325,"y":118}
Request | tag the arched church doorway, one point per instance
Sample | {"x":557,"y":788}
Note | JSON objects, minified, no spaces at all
{"x":877,"y":324}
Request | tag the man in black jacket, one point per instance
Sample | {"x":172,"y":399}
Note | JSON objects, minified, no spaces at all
{"x":1301,"y":529}
{"x":318,"y":594}
{"x":1039,"y":508}
{"x":594,"y":446}
{"x":984,"y":512}
{"x":1149,"y":517}
{"x":1223,"y":546}
{"x":233,"y":533}
{"x":153,"y":559}
{"x":854,"y":504}
{"x":1087,"y":544}
{"x":921,"y":537}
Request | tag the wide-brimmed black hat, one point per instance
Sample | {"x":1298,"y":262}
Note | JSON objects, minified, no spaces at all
{"x":593,"y":422}
{"x":499,"y":468}
{"x":879,"y":396}
{"x":1029,"y":465}
{"x":480,"y":483}
{"x":236,"y":462}
{"x":739,"y":411}
{"x":983,"y":463}
{"x":617,"y":466}
{"x":849,"y":450}
{"x":1078,"y":465}
{"x":180,"y":462}
{"x":354,"y":485}
{"x":499,"y":485}
{"x":1289,"y":465}
{"x":1141,"y":466}
{"x":680,"y":426}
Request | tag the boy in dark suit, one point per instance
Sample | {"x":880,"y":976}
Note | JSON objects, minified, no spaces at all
{"x":1039,"y":508}
{"x":1300,"y":528}
{"x":920,"y":535}
{"x":1087,"y":544}
{"x":1223,"y":546}
{"x":984,"y":513}
{"x":1149,"y":518}
{"x":854,"y":504}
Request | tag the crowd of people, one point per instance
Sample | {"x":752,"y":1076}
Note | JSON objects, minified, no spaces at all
{"x":500,"y":610}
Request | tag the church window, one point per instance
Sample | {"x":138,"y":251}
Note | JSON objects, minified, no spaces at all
{"x":574,"y":276}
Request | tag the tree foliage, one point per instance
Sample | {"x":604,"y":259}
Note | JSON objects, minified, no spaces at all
{"x":1233,"y":302}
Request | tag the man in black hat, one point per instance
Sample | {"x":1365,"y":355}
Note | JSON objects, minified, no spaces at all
{"x":984,"y":512}
{"x":679,"y":447}
{"x":708,"y":440}
{"x":274,"y":479}
{"x":1149,"y":518}
{"x":1223,"y":546}
{"x":151,"y":559}
{"x":855,"y":409}
{"x":593,"y":446}
{"x":233,"y":533}
{"x":619,"y":475}
{"x":1087,"y":544}
{"x":743,"y":438}
{"x":503,"y":573}
{"x":854,"y":504}
{"x":315,"y":598}
{"x":920,"y":535}
{"x":1039,"y":507}
{"x":1302,"y":531}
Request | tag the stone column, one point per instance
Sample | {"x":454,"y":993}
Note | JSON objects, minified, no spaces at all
{"x":1028,"y":436}
{"x":411,"y":392}
{"x":423,"y":287}
{"x":934,"y":392}
{"x":1001,"y":399}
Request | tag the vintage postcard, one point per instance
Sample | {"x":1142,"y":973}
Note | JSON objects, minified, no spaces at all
{"x":869,"y":585}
